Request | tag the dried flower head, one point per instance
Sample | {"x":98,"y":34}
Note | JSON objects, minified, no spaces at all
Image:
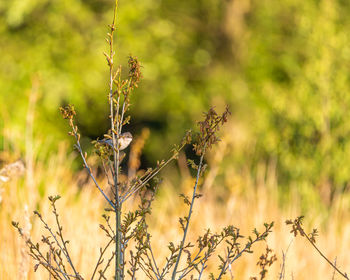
{"x":68,"y":112}
{"x":187,"y":139}
{"x":135,"y":74}
{"x":12,"y":170}
{"x":209,"y":128}
{"x":265,"y":261}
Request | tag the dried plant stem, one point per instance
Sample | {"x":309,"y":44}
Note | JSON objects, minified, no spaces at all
{"x":323,"y":256}
{"x":29,"y":157}
{"x":189,"y":214}
{"x":297,"y":228}
{"x":335,"y":264}
{"x":283,"y":265}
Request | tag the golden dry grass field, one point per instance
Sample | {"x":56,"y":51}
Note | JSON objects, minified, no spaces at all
{"x":239,"y":200}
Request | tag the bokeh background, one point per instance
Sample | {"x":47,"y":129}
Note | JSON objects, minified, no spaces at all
{"x":281,"y":66}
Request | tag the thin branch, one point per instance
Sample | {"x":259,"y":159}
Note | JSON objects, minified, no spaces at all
{"x":137,"y":187}
{"x":201,"y":271}
{"x":189,"y":214}
{"x":115,"y":137}
{"x":99,"y":261}
{"x":228,"y":262}
{"x":154,"y":261}
{"x":102,"y":273}
{"x":60,"y":234}
{"x":86,"y":166}
{"x":335,"y":263}
{"x":57,"y":242}
{"x":283,"y":266}
{"x":297,"y":228}
{"x":323,"y":256}
{"x":152,"y":268}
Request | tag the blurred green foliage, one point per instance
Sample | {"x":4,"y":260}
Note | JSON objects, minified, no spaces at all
{"x":298,"y":74}
{"x":283,"y":66}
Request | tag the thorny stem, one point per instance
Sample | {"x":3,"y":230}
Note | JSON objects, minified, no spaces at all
{"x":189,"y":214}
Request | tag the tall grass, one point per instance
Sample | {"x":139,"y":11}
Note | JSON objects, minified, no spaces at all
{"x":239,"y":200}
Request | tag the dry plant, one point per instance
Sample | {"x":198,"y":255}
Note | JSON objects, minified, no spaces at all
{"x":9,"y":171}
{"x":128,"y":249}
{"x":265,"y":261}
{"x":297,"y":228}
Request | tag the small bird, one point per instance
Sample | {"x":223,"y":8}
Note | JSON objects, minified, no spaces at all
{"x":123,"y":141}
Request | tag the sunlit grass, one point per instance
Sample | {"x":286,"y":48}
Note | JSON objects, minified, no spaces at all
{"x":242,"y":201}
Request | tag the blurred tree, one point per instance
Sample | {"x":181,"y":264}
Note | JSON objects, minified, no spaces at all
{"x":281,"y":65}
{"x":297,"y":69}
{"x":181,"y":45}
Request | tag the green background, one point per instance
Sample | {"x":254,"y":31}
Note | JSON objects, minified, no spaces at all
{"x":282,"y":66}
